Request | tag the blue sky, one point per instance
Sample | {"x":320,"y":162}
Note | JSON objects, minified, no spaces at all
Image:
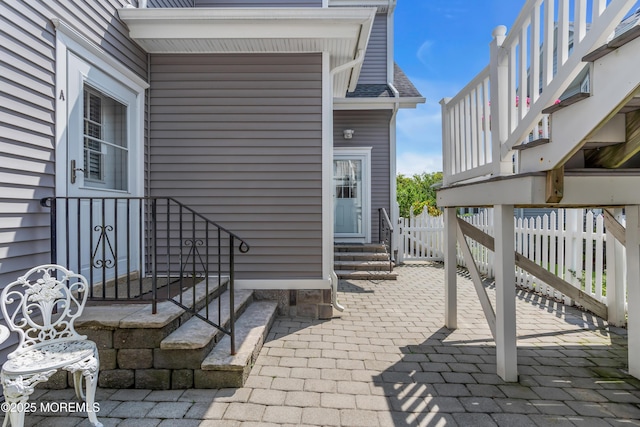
{"x":441,"y":45}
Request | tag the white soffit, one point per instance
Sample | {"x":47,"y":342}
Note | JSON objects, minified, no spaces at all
{"x":340,"y":31}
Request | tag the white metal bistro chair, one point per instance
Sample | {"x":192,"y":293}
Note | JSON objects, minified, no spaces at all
{"x":41,"y":307}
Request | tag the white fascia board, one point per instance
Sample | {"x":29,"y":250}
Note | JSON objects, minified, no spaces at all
{"x":383,"y":6}
{"x":246,"y":23}
{"x":411,"y":102}
{"x":375,"y":103}
{"x":363,"y":103}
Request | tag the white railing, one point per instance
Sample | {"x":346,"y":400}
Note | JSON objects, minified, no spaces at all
{"x":570,"y":243}
{"x":506,"y":99}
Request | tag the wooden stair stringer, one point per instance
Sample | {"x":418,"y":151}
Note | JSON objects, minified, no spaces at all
{"x":615,"y":81}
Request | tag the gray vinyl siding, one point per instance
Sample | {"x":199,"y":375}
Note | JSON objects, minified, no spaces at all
{"x":27,"y":128}
{"x":239,"y":139}
{"x":374,"y":68}
{"x":258,"y":3}
{"x":371,"y":130}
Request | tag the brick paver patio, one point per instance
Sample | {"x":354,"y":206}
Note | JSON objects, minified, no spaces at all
{"x":388,"y":361}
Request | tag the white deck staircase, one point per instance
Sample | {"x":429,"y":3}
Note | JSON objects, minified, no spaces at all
{"x":596,"y":121}
{"x":546,"y":127}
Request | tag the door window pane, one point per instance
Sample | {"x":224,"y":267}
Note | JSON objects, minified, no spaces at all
{"x":347,"y":182}
{"x":106,"y":155}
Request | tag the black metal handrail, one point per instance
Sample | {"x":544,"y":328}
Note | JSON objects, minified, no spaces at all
{"x":146,"y":249}
{"x":385,"y":233}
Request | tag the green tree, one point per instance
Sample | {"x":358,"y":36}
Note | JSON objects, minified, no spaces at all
{"x":418,"y":191}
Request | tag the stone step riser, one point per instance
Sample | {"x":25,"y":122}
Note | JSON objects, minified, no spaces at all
{"x":363,"y":262}
{"x":364,"y":256}
{"x":130,"y":345}
{"x":219,"y":369}
{"x":355,"y":275}
{"x":359,"y":248}
{"x":363,"y":266}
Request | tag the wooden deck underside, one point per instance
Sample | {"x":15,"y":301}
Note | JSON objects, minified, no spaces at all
{"x":582,"y":188}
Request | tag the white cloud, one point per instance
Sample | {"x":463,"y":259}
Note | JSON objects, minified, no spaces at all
{"x":411,"y":163}
{"x":424,"y":51}
{"x":419,"y":131}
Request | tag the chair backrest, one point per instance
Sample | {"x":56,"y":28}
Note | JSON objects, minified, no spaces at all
{"x":42,"y":306}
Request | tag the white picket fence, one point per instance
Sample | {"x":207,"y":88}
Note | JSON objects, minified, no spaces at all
{"x":568,"y":242}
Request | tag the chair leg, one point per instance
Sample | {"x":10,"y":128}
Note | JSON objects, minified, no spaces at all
{"x":89,"y":369}
{"x":17,"y":411}
{"x":17,"y":390}
{"x":77,"y":384}
{"x":91,"y":380}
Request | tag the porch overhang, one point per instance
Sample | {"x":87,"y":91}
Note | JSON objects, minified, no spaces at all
{"x":343,"y":32}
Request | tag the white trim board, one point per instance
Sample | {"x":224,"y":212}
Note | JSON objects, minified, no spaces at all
{"x":69,"y":41}
{"x":283,"y":284}
{"x":327,"y":167}
{"x":363,"y":153}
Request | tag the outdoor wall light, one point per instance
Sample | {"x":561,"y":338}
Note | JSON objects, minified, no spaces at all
{"x":348,"y":133}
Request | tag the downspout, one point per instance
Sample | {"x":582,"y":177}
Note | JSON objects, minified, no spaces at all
{"x":333,"y":276}
{"x":351,"y":64}
{"x":393,"y":172}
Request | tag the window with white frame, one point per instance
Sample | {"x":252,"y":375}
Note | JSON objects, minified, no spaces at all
{"x":105,"y":141}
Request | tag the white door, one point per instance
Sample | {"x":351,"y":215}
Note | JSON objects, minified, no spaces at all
{"x":98,"y":228}
{"x":351,"y":194}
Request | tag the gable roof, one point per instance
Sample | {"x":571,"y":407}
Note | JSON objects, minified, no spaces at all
{"x":384,"y":95}
{"x":405,"y":87}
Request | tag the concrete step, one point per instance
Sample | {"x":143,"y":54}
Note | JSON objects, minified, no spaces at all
{"x":196,"y":333}
{"x":366,"y":275}
{"x":220,"y":369}
{"x":140,"y":316}
{"x":187,"y":346}
{"x":361,"y":256}
{"x":359,"y":247}
{"x":363,"y":265}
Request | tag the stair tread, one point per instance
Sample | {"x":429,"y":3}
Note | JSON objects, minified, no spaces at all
{"x":140,"y":315}
{"x":566,"y":102}
{"x":364,"y":275}
{"x":360,"y":247}
{"x":195,"y":332}
{"x":361,"y":262}
{"x":614,"y":44}
{"x":251,"y":330}
{"x":362,"y":254}
{"x":535,"y":143}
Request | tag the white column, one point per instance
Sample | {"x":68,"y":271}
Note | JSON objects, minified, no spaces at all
{"x":450,"y":265}
{"x":506,"y":355}
{"x":616,"y":277}
{"x":633,"y":287}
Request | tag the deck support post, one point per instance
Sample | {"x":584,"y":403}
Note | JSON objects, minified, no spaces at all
{"x":450,"y":265}
{"x":499,"y":87}
{"x":632,"y":214}
{"x":615,"y":275}
{"x":506,"y":354}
